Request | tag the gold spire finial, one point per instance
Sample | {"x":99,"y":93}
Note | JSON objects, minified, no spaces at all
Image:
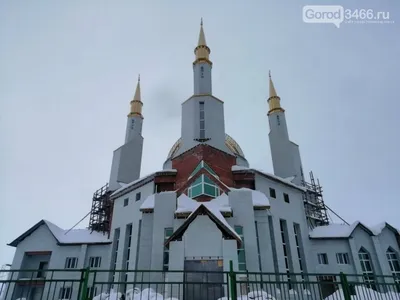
{"x":274,"y":101}
{"x":202,"y":51}
{"x":136,"y":103}
{"x":272,"y":92}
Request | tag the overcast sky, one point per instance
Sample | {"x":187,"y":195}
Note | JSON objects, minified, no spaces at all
{"x":69,"y":68}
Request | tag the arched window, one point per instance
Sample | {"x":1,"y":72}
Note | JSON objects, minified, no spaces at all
{"x":394,"y":264}
{"x":366,"y":267}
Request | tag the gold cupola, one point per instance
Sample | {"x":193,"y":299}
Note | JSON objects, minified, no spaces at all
{"x":136,"y":103}
{"x":202,"y":51}
{"x":274,"y":101}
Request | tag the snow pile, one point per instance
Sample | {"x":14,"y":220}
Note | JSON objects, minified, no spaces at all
{"x":148,"y":203}
{"x":133,"y":294}
{"x":186,"y":204}
{"x":364,"y":293}
{"x":255,"y":295}
{"x":260,"y":295}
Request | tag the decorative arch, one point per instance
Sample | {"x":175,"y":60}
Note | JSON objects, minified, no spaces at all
{"x":393,"y":260}
{"x":367,"y":267}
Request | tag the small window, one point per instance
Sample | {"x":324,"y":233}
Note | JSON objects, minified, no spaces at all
{"x":126,"y":201}
{"x":342,"y":258}
{"x":71,"y":262}
{"x":65,"y":293}
{"x":272,"y":193}
{"x":132,"y":123}
{"x":286,"y":197}
{"x":322,"y":258}
{"x":138,"y":195}
{"x":95,"y":262}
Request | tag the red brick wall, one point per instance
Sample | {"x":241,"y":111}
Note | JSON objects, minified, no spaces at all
{"x":244,"y":180}
{"x":219,"y":161}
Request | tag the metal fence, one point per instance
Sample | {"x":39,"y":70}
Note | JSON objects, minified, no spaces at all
{"x":192,"y":285}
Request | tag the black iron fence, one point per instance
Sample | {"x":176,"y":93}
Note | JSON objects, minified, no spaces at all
{"x":97,"y":284}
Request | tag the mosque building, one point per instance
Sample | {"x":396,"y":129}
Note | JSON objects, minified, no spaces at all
{"x":207,"y":206}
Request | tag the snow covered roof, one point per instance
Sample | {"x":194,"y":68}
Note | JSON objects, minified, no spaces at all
{"x":143,"y":179}
{"x":215,"y":215}
{"x":220,"y":203}
{"x":188,"y":205}
{"x":260,"y":200}
{"x":148,"y":203}
{"x":337,"y":231}
{"x":286,"y":181}
{"x":66,"y":237}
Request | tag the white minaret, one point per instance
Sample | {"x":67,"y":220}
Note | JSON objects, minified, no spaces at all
{"x":202,"y":114}
{"x":127,"y":159}
{"x":135,"y":118}
{"x":285,"y":154}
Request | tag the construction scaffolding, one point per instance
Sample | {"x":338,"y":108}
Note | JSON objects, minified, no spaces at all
{"x":316,"y":211}
{"x":101,"y":212}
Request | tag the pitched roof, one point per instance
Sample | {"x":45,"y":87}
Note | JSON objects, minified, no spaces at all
{"x":212,"y":177}
{"x":285,"y":181}
{"x":125,"y":188}
{"x":215,"y":216}
{"x":65,"y":237}
{"x":338,"y":231}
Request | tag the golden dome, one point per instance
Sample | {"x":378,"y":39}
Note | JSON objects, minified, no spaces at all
{"x":229,"y":142}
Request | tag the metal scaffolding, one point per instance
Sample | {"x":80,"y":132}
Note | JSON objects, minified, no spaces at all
{"x":101,"y":212}
{"x":316,"y":210}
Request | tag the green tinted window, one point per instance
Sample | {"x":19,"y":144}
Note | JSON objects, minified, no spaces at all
{"x":198,"y":180}
{"x":239,"y":230}
{"x":241,"y":256}
{"x":197,"y":191}
{"x":209,"y":190}
{"x":168,"y":232}
{"x":208,"y":180}
{"x":198,"y":168}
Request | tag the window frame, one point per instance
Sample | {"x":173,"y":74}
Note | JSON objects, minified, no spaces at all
{"x":342,"y":258}
{"x":71,"y":262}
{"x":323,"y":259}
{"x":126,"y":202}
{"x":138,"y":196}
{"x":286,"y":197}
{"x":94,"y":261}
{"x":272,"y":193}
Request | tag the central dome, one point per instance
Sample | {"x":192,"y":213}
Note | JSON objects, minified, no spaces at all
{"x":229,"y":142}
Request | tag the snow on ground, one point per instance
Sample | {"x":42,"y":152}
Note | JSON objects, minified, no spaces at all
{"x":363,"y":293}
{"x":133,"y":294}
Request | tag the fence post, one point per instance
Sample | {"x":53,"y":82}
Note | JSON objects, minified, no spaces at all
{"x":345,"y":286}
{"x":232,"y":277}
{"x":84,"y":284}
